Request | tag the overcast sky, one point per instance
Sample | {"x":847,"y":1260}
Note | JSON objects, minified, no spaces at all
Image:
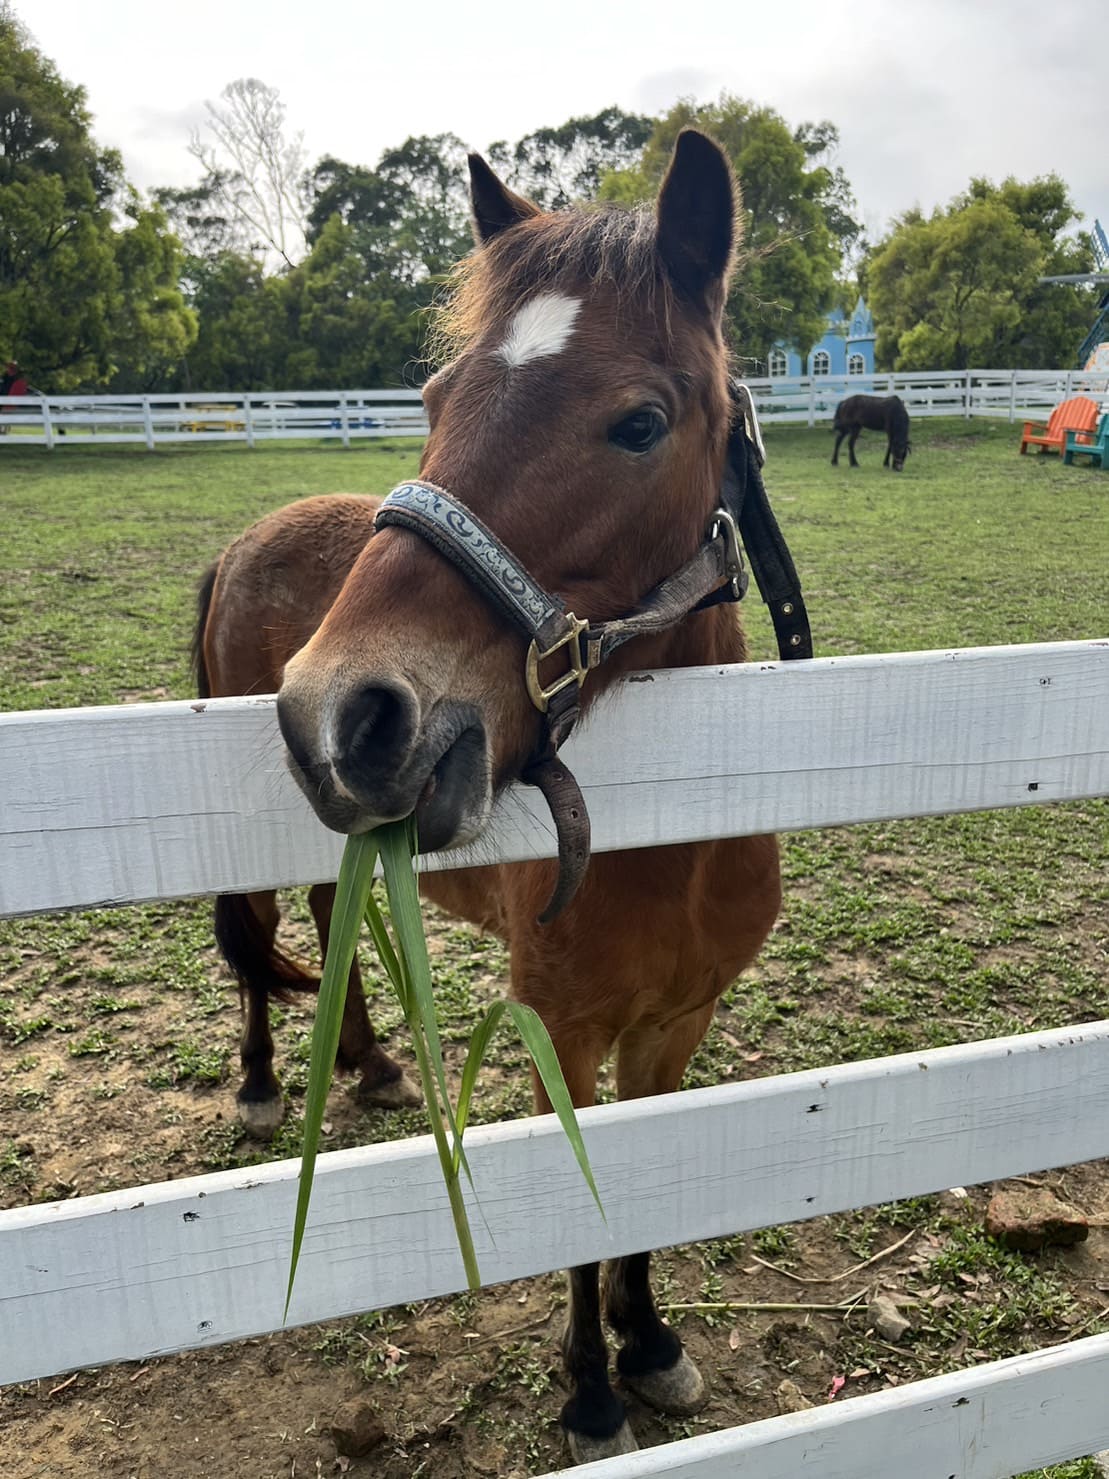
{"x":930,"y":93}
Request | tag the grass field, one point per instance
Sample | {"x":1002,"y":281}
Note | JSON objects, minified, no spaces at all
{"x":893,"y":936}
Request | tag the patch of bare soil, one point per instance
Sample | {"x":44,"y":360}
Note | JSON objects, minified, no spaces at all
{"x":470,"y":1386}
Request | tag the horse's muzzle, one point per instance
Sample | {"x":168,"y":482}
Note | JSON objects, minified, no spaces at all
{"x":377,"y":761}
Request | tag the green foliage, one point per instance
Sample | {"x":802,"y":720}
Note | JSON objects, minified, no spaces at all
{"x":558,"y":166}
{"x":82,"y":302}
{"x":960,"y":288}
{"x":796,"y":215}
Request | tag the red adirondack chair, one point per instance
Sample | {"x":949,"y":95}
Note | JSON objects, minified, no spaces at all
{"x":1079,"y":414}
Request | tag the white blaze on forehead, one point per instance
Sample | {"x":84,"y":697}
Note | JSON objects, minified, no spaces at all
{"x":541,"y":327}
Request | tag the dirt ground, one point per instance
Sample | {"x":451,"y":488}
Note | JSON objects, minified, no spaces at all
{"x":111,"y":1077}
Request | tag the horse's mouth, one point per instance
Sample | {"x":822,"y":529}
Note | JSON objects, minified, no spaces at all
{"x":444,"y":782}
{"x":453,"y":805}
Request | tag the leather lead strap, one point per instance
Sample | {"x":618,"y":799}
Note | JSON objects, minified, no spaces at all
{"x":568,"y":811}
{"x":743,"y":494}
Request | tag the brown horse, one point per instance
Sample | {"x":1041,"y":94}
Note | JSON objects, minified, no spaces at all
{"x":260,"y":602}
{"x":582,"y":423}
{"x":873,"y":413}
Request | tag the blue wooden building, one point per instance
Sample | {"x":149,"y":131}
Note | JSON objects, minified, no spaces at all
{"x":846,"y":348}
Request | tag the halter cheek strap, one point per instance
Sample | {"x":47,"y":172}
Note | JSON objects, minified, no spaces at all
{"x":715,"y":573}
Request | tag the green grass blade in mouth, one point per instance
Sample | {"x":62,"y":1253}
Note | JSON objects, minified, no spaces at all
{"x":355,"y":880}
{"x":398,"y":849}
{"x":407,"y":965}
{"x":480,"y":1039}
{"x":537,"y":1040}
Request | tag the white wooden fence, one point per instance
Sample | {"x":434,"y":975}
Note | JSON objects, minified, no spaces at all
{"x":160,"y":801}
{"x":358,"y":415}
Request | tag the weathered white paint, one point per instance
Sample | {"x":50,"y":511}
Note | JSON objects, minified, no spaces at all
{"x":542,"y":327}
{"x":127,"y":1275}
{"x":986,"y":1423}
{"x":102,"y":806}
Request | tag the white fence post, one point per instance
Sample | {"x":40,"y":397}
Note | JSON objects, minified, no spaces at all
{"x":148,"y":423}
{"x":344,"y":419}
{"x":248,"y":417}
{"x":47,"y":425}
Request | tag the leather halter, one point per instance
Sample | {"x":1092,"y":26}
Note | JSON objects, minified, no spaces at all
{"x":714,"y":574}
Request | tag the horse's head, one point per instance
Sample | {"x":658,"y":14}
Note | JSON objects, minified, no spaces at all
{"x":583,"y":419}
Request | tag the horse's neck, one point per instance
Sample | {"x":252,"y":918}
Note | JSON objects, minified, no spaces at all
{"x":704,"y":639}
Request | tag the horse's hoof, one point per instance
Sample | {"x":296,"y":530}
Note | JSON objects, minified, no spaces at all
{"x":587,"y":1450}
{"x":261,"y":1118}
{"x":400,"y":1093}
{"x":677,"y":1390}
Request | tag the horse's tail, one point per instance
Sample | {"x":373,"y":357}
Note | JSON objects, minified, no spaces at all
{"x":196,"y":651}
{"x":252,"y":954}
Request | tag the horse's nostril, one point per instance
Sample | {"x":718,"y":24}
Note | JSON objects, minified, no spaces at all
{"x":291,"y":735}
{"x":375,"y":724}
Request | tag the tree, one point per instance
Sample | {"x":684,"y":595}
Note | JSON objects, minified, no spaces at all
{"x":961,"y":287}
{"x":253,"y":171}
{"x":151,"y":327}
{"x":408,"y":215}
{"x":346,"y":328}
{"x":78,"y":295}
{"x":795,"y":215}
{"x":557,"y":166}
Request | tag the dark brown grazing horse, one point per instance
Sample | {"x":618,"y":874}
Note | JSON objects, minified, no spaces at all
{"x":873,"y":413}
{"x":583,"y":419}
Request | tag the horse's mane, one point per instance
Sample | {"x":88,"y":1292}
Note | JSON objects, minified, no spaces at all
{"x":582,"y":246}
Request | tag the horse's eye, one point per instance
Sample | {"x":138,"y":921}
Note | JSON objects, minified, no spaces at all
{"x":639,"y":432}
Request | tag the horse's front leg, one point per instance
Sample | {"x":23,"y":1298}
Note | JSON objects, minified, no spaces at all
{"x":889,"y":449}
{"x":651,"y":1361}
{"x":593,"y":1416}
{"x":651,"y":1059}
{"x":852,"y":439}
{"x":835,"y":454}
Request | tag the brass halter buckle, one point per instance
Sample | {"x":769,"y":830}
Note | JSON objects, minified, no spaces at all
{"x":580,"y":662}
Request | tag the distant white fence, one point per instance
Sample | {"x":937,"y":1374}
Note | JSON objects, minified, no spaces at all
{"x":252,"y":419}
{"x":158,"y":801}
{"x":357,"y":415}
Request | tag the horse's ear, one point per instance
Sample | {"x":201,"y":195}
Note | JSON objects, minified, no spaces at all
{"x":494,"y":205}
{"x":697,"y":219}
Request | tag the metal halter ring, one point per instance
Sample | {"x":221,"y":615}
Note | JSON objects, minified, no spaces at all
{"x":734,"y":570}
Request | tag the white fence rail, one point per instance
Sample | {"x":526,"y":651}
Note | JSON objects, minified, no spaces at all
{"x":359,"y":415}
{"x":153,"y":421}
{"x":102,"y":806}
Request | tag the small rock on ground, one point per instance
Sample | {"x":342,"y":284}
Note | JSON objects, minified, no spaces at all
{"x":887,"y":1319}
{"x":356,"y":1427}
{"x":791,"y":1398}
{"x":1031,"y":1218}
